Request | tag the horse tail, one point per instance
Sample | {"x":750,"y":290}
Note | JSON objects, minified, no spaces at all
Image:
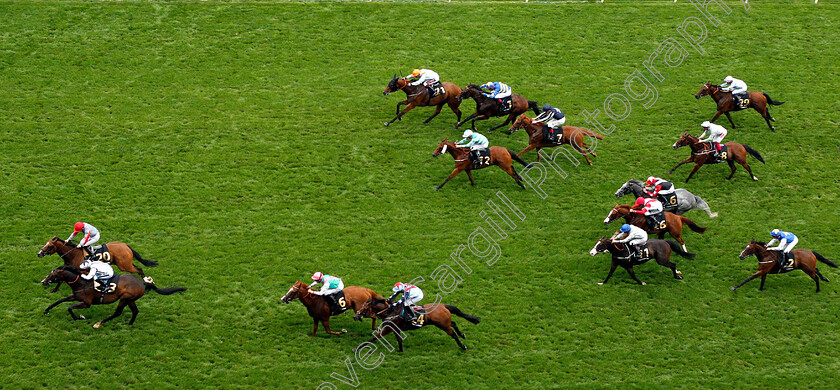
{"x":459,"y":313}
{"x":163,"y":291}
{"x":693,"y":226}
{"x":146,"y":262}
{"x":771,"y":101}
{"x":517,"y":158}
{"x":676,"y":248}
{"x":702,"y":205}
{"x":824,"y":260}
{"x":590,"y":133}
{"x":533,"y":105}
{"x":754,"y":153}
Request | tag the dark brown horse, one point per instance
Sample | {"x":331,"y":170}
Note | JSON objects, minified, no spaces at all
{"x":418,"y":96}
{"x":702,"y":153}
{"x":319,"y":309}
{"x":725,"y":103}
{"x":803,"y":259}
{"x":659,"y":250}
{"x":486,"y":107}
{"x":673,"y":223}
{"x":120,"y":254}
{"x":536,"y":138}
{"x":439,"y":315}
{"x":129,"y":289}
{"x":502,"y":157}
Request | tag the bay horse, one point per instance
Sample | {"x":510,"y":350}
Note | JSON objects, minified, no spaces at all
{"x":659,"y":250}
{"x":673,"y":223}
{"x":536,"y":138}
{"x":685,"y":200}
{"x":499,"y":156}
{"x":318,"y":307}
{"x":702,"y":153}
{"x":803,"y":259}
{"x":121,"y":255}
{"x":725,"y":103}
{"x":437,"y":314}
{"x":418,"y":96}
{"x":129,"y":289}
{"x":486,"y":107}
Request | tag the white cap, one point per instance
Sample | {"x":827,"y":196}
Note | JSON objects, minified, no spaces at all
{"x":467,"y":134}
{"x":728,"y":79}
{"x":706,"y":124}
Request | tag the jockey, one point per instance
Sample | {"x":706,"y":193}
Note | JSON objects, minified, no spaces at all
{"x":716,"y":134}
{"x":650,"y":207}
{"x":426,"y":77}
{"x":659,"y":188}
{"x":634,"y":237}
{"x":737,"y":87}
{"x":500,"y":90}
{"x":411,"y":294}
{"x":474,"y":141}
{"x":91,"y":235}
{"x":331,"y":284}
{"x":99,"y":270}
{"x":552,"y":117}
{"x":786,"y":242}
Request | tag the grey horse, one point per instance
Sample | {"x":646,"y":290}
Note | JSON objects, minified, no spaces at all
{"x":685,"y":200}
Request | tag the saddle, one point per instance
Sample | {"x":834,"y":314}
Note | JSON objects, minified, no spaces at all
{"x":669,"y":202}
{"x":337,"y":303}
{"x":643,"y":256}
{"x":505,"y":105}
{"x":656,"y":221}
{"x":109,"y":286}
{"x":435,"y":90}
{"x":786,"y":262}
{"x":100,"y":253}
{"x":415,"y":316}
{"x":552,"y":135}
{"x":741,"y":101}
{"x":480,"y":158}
{"x":719,"y":157}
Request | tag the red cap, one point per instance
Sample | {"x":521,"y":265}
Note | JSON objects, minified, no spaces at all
{"x":79,"y":226}
{"x":640,"y":200}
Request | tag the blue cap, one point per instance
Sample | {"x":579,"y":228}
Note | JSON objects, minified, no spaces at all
{"x":547,"y":107}
{"x":625,"y":228}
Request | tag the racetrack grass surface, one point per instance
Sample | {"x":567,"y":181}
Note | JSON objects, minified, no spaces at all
{"x":242,"y":146}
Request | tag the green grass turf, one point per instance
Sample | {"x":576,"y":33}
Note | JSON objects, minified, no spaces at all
{"x":242,"y":146}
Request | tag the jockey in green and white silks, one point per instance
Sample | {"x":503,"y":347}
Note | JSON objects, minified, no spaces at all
{"x":331,"y":284}
{"x":475,"y":142}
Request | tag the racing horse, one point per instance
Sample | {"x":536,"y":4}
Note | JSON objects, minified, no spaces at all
{"x":673,"y":223}
{"x":685,"y":200}
{"x":803,"y":259}
{"x":119,"y":253}
{"x":319,"y":309}
{"x":418,"y":96}
{"x":659,"y":250}
{"x":437,"y":314}
{"x":758,"y":101}
{"x":702,"y":153}
{"x":486,"y":107}
{"x":128,"y":290}
{"x":502,"y":157}
{"x":536,"y":138}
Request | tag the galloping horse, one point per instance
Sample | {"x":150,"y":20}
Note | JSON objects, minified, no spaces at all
{"x":725,"y":104}
{"x":659,"y":250}
{"x":319,"y":309}
{"x":500,"y":156}
{"x":803,"y":259}
{"x":120,"y":254}
{"x":486,"y":107}
{"x":536,"y":138}
{"x":129,"y":289}
{"x":673,"y":223}
{"x":702,"y":153}
{"x":685,"y":200}
{"x":418,"y":96}
{"x":437,"y":314}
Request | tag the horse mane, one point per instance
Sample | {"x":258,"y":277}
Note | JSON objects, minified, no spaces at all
{"x":70,"y":268}
{"x":761,"y":243}
{"x":634,"y":181}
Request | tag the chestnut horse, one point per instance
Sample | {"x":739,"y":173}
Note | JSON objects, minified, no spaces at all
{"x":725,"y":104}
{"x":673,"y":223}
{"x":121,"y":255}
{"x":502,"y":157}
{"x":418,"y":96}
{"x":536,"y":138}
{"x":702,"y":153}
{"x":319,"y":309}
{"x":486,"y":107}
{"x":803,"y":259}
{"x":437,"y":314}
{"x":129,"y":289}
{"x":659,"y":250}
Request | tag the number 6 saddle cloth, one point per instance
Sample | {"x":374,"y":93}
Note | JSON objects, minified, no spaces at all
{"x":337,"y":303}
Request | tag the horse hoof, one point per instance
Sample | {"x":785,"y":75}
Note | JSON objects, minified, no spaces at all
{"x":644,"y":284}
{"x":679,"y":272}
{"x":81,"y":317}
{"x":97,"y":325}
{"x":732,"y":288}
{"x":343,"y":331}
{"x":46,"y":312}
{"x":387,"y":123}
{"x":678,"y":277}
{"x":755,"y":178}
{"x":600,"y":283}
{"x":437,"y":188}
{"x":713,"y":215}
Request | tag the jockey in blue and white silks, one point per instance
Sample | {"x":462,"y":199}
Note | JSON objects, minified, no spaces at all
{"x":731,"y":84}
{"x":786,"y":242}
{"x":426,"y":77}
{"x":500,"y":90}
{"x":552,"y":117}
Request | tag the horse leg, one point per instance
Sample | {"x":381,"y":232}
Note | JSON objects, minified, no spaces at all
{"x":469,"y":174}
{"x":373,"y":324}
{"x":327,"y":327}
{"x":747,"y":167}
{"x":458,"y":331}
{"x":813,"y":275}
{"x":763,"y":278}
{"x":717,"y":115}
{"x":134,"y":310}
{"x":696,"y":167}
{"x":820,"y":275}
{"x":633,"y":275}
{"x":130,"y":267}
{"x":57,"y":285}
{"x":577,"y":147}
{"x":732,"y":167}
{"x":512,"y":172}
{"x":315,"y":327}
{"x":58,"y":302}
{"x":117,"y":313}
{"x":609,"y":275}
{"x":453,"y":105}
{"x":80,"y":305}
{"x":478,"y":118}
{"x":400,"y":114}
{"x":529,"y":148}
{"x":508,"y":120}
{"x":473,"y":115}
{"x":730,"y":119}
{"x":437,"y":111}
{"x":765,"y":113}
{"x":454,"y":172}
{"x":681,"y":163}
{"x":666,"y":262}
{"x":753,"y":276}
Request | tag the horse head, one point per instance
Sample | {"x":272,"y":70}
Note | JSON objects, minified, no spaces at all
{"x":749,"y":250}
{"x":371,"y":308}
{"x":396,"y":84}
{"x":600,"y":246}
{"x":520,"y":122}
{"x":624,"y":190}
{"x":442,"y":147}
{"x":685,"y":139}
{"x":50,"y":247}
{"x":617,"y":212}
{"x":294,"y":292}
{"x":706,"y":90}
{"x":57,"y":274}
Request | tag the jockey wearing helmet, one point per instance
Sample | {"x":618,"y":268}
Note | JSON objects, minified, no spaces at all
{"x":91,"y":235}
{"x":660,"y":189}
{"x":500,"y":90}
{"x":426,"y":77}
{"x":474,"y":141}
{"x":634,"y":237}
{"x":650,"y":207}
{"x":737,"y":87}
{"x":552,"y":117}
{"x":786,"y":242}
{"x":331,"y":284}
{"x":411,"y":294}
{"x":716,"y":134}
{"x":101,"y":271}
